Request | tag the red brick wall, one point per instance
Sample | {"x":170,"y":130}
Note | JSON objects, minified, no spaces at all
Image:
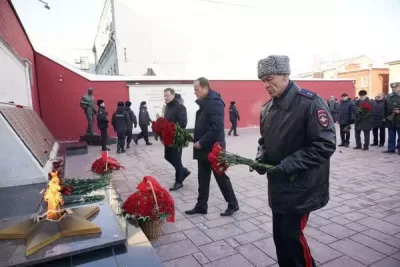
{"x":60,"y":99}
{"x":12,"y":31}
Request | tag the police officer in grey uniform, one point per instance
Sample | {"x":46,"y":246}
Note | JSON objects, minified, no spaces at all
{"x":298,"y":137}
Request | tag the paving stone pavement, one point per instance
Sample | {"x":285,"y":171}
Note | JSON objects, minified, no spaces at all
{"x":360,"y":226}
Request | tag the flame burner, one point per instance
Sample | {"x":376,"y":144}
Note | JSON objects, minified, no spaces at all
{"x":55,"y":223}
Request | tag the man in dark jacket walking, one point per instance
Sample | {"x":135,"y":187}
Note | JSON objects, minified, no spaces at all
{"x":298,"y":137}
{"x":209,"y":129}
{"x":363,"y":122}
{"x":233,"y":118}
{"x":392,"y":114}
{"x":132,"y":122}
{"x":346,"y":117}
{"x":120,"y":121}
{"x":175,"y":112}
{"x":144,"y":122}
{"x":333,"y":107}
{"x":102,"y":124}
{"x":378,"y":121}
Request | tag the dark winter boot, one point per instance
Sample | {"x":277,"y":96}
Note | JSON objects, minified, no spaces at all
{"x":118,"y":149}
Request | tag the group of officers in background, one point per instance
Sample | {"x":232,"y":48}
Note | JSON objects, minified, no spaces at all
{"x":346,"y":113}
{"x":123,"y":121}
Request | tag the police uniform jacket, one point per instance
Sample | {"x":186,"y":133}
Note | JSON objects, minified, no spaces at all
{"x":298,"y":136}
{"x":132,"y":118}
{"x":102,"y":121}
{"x":392,"y":101}
{"x":120,"y":120}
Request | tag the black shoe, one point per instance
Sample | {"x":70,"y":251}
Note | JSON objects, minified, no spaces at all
{"x":229,"y":211}
{"x":186,"y":174}
{"x":122,"y":150}
{"x":365,"y":148}
{"x":176,"y":186}
{"x":128,"y":146}
{"x":381,"y":145}
{"x":118,"y":150}
{"x":389,"y":152}
{"x":235,"y":135}
{"x":374,"y":145}
{"x":341,"y":144}
{"x":195,"y":211}
{"x":357,"y":147}
{"x":135,"y":140}
{"x":347,"y":145}
{"x":148,"y":144}
{"x":229,"y":133}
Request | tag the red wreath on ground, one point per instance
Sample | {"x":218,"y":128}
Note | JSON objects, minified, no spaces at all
{"x":142,"y":202}
{"x":105,"y":164}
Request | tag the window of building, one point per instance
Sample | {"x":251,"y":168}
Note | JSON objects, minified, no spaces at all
{"x":364,"y":82}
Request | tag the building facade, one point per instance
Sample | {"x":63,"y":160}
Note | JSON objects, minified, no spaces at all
{"x":330,"y":70}
{"x":129,"y":42}
{"x":372,"y":80}
{"x":394,"y":71}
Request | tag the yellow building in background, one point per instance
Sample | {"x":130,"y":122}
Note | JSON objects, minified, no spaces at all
{"x":394,"y":72}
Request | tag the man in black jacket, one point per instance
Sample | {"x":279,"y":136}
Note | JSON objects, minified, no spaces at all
{"x":209,"y":129}
{"x":378,"y":120}
{"x":298,"y":137}
{"x":175,"y":112}
{"x":345,"y":119}
{"x":233,"y":118}
{"x":132,"y":122}
{"x":392,"y":114}
{"x":363,"y":123}
{"x":144,"y":122}
{"x":120,"y":121}
{"x":102,"y":124}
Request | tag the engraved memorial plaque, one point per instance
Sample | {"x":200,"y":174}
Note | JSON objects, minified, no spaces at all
{"x":31,"y":130}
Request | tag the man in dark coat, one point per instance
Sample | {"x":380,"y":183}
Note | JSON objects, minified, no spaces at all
{"x":233,"y":118}
{"x":209,"y":129}
{"x":298,"y":137}
{"x":132,"y":122}
{"x":346,"y":116}
{"x":144,"y":122}
{"x":333,"y":107}
{"x":392,"y":114}
{"x":120,"y":121}
{"x":102,"y":124}
{"x":363,"y":123}
{"x":378,"y":121}
{"x":175,"y":112}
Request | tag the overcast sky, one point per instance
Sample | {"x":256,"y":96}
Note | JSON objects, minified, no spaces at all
{"x":239,"y":32}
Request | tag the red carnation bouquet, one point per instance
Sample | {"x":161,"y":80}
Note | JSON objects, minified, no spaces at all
{"x":221,"y":160}
{"x":364,"y":110}
{"x":151,"y":202}
{"x":171,"y":134}
{"x":105,"y":164}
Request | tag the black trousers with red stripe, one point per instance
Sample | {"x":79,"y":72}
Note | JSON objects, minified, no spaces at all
{"x":291,"y":245}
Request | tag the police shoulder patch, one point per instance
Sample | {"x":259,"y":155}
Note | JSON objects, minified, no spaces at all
{"x":323,"y":117}
{"x":306,"y":93}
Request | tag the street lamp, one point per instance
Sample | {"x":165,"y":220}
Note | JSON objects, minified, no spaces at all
{"x":46,"y":5}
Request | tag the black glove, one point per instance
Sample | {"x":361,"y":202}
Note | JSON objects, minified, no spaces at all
{"x":259,"y":170}
{"x":261,"y":158}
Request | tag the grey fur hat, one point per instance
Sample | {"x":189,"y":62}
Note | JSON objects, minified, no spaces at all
{"x":273,"y":65}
